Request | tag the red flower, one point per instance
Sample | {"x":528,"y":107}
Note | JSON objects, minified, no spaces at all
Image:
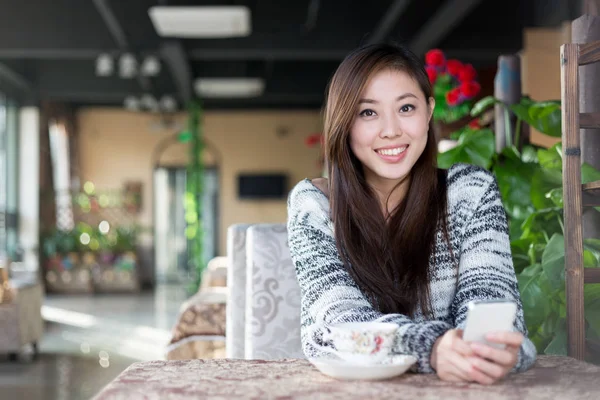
{"x":474,"y":124}
{"x":454,"y":67}
{"x":453,"y":96}
{"x":435,"y":57}
{"x":467,"y":73}
{"x":470,"y":89}
{"x":431,"y":73}
{"x":313,"y":139}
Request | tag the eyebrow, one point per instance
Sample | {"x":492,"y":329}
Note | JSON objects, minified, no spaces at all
{"x":401,"y":97}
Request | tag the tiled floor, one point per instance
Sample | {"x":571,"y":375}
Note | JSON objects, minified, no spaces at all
{"x":88,"y":341}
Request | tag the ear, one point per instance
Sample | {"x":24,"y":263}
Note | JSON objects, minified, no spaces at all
{"x":431,"y":107}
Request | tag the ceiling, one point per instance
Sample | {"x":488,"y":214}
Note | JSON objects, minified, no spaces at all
{"x":48,"y":49}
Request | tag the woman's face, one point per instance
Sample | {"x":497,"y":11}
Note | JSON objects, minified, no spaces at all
{"x":389,"y":132}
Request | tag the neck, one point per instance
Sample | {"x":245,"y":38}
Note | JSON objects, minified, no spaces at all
{"x":390,"y":192}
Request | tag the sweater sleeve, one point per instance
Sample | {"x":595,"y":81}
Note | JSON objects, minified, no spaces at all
{"x":329,"y":295}
{"x":486,"y":269}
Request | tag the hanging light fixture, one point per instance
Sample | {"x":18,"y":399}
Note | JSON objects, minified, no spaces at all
{"x":131,"y":103}
{"x":104,"y":65}
{"x":168,"y":104}
{"x":150,"y":66}
{"x":127,"y":66}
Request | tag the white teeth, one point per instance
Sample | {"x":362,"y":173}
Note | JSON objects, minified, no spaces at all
{"x":392,"y":152}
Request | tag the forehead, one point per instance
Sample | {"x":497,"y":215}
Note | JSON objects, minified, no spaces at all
{"x":392,"y":82}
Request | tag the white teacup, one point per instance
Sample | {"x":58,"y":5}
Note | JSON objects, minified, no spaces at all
{"x":360,"y":342}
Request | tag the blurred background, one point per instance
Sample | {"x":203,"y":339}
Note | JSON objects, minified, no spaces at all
{"x":134,"y":133}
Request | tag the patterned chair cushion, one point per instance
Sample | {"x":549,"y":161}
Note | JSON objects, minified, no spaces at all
{"x":272,"y":295}
{"x":21,"y":319}
{"x":236,"y":290}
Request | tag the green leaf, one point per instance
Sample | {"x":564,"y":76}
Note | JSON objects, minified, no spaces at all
{"x":482,"y":105}
{"x":514,"y":180}
{"x":529,"y":154}
{"x":519,"y":249}
{"x":542,"y":223}
{"x":535,"y":288}
{"x":589,"y":173}
{"x":544,"y":116}
{"x":553,"y":261}
{"x":592,"y":245}
{"x":474,"y":147}
{"x":592,"y":306}
{"x":544,"y":181}
{"x":551,"y":158}
{"x":184,"y":137}
{"x":590,"y":260}
{"x":556,"y":196}
{"x":558,"y":346}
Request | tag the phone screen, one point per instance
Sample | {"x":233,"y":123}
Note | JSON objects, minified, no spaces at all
{"x":489,"y":317}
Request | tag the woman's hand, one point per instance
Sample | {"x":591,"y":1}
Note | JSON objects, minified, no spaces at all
{"x":455,"y":360}
{"x":497,"y":363}
{"x":451,"y":358}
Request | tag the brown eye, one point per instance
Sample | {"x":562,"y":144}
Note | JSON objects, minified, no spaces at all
{"x":367,"y":113}
{"x":407,"y":108}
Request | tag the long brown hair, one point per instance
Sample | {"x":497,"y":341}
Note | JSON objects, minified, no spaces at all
{"x":388,"y":256}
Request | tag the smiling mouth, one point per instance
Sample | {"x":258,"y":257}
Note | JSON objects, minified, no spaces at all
{"x":392,"y":152}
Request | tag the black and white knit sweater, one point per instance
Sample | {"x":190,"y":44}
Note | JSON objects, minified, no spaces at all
{"x":478,"y":233}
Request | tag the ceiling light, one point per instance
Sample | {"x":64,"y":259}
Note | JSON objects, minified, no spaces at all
{"x":201,"y":21}
{"x":131,"y":103}
{"x":149,"y":102}
{"x":229,"y":87}
{"x":104,"y":65}
{"x":127,"y":66}
{"x":168,"y":104}
{"x":150,"y":66}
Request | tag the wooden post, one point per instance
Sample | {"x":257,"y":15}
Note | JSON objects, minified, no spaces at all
{"x":572,"y":190}
{"x":507,"y":88}
{"x":586,"y":29}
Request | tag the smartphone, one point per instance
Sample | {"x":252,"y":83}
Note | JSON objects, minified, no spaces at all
{"x":484,"y":317}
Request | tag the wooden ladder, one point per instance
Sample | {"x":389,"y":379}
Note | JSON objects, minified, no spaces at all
{"x":576,"y":195}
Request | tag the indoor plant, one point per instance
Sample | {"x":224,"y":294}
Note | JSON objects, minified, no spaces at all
{"x":530,"y":182}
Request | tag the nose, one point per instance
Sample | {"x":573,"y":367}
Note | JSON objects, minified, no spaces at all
{"x":390,"y":128}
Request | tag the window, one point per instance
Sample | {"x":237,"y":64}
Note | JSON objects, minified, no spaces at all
{"x":9,"y":188}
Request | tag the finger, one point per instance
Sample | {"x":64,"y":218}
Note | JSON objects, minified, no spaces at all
{"x":503,"y":357}
{"x":461,"y":347}
{"x":508,"y":338}
{"x":462,"y":366}
{"x":481,"y":377}
{"x":451,"y":376}
{"x":492,"y":370}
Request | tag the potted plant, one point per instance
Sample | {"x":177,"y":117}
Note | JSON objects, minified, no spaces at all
{"x":455,"y":87}
{"x":530,"y":182}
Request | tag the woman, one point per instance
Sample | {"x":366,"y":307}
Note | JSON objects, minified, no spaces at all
{"x":413,"y":244}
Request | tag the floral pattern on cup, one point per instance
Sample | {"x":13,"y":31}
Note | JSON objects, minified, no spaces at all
{"x":362,"y":342}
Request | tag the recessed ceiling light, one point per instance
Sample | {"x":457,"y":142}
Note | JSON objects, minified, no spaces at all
{"x":229,"y":87}
{"x":201,"y":21}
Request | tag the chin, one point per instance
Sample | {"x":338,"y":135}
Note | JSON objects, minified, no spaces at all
{"x":392,"y":174}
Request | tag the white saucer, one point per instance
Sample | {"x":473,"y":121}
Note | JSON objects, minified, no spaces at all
{"x":340,"y":369}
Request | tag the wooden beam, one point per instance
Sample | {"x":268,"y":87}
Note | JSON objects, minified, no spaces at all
{"x":589,"y":53}
{"x":585,"y":30}
{"x":14,"y":79}
{"x":589,"y":120}
{"x":388,"y":21}
{"x":174,"y":56}
{"x":446,"y":18}
{"x":118,"y":35}
{"x":114,"y":28}
{"x":572,"y":195}
{"x":592,"y":275}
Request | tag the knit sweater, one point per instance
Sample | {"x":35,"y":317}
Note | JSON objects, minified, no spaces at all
{"x":478,"y":232}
